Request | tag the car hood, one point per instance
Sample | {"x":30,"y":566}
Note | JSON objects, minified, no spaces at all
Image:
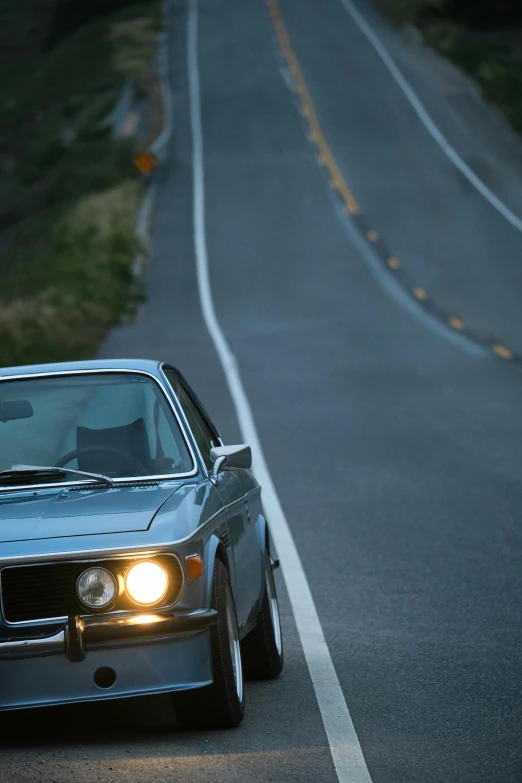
{"x":61,"y":512}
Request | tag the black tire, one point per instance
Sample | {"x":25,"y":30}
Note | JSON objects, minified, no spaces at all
{"x":263,"y":647}
{"x":217,"y":706}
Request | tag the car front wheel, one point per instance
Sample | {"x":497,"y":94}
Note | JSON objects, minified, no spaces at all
{"x":222,"y":704}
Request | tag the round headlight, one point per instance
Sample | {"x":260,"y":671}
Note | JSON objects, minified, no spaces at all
{"x":96,"y":587}
{"x":146,"y":583}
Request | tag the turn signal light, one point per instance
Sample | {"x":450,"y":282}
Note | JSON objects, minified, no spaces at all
{"x":194,"y":566}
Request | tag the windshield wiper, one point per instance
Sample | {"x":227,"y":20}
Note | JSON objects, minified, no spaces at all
{"x":29,"y":472}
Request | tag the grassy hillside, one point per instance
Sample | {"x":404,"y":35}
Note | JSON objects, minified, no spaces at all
{"x":483,"y":38}
{"x":68,"y":191}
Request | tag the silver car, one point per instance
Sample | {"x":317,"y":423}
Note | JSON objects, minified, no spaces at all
{"x":134,"y":553}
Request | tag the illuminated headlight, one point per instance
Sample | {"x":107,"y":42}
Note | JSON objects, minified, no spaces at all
{"x":96,"y":587}
{"x":146,"y":583}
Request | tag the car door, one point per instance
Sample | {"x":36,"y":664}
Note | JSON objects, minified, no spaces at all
{"x":239,"y":535}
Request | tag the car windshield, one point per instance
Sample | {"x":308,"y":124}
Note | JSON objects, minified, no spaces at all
{"x":116,"y":424}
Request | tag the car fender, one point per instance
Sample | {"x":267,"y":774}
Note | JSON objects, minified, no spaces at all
{"x":263,"y":533}
{"x":263,"y":540}
{"x":212,"y":546}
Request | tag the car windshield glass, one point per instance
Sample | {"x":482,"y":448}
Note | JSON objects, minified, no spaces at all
{"x":116,"y":424}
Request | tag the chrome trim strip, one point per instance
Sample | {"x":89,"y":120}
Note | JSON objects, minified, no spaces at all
{"x":242,"y":499}
{"x":48,"y":645}
{"x":106,"y":633}
{"x":222,"y":510}
{"x":196,"y":447}
{"x":182,"y":426}
{"x":117,"y":551}
{"x":102,"y":615}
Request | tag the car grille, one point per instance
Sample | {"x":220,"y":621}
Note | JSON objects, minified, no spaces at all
{"x":42,"y":592}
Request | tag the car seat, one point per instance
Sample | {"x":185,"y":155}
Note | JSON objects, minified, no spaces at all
{"x":131,"y":439}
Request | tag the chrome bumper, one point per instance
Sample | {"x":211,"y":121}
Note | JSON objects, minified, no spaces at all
{"x":81,"y":634}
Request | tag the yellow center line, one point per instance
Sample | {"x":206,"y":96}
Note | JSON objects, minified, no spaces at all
{"x":456,"y":323}
{"x":316,"y":134}
{"x":502,"y":351}
{"x":337,"y":181}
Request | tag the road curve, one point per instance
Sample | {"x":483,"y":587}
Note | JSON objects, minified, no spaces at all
{"x":394,"y":444}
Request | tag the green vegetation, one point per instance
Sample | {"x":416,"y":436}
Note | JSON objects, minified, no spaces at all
{"x":465,"y":33}
{"x":477,"y":14}
{"x":68,"y":191}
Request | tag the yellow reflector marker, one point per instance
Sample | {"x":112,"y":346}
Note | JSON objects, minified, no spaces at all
{"x":393,"y":263}
{"x":456,"y":323}
{"x":501,"y":350}
{"x":146,"y":583}
{"x":145,"y":162}
{"x":372,"y":235}
{"x":194,"y":566}
{"x":420,"y":293}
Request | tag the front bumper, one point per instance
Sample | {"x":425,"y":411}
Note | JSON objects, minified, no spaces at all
{"x":162,"y":653}
{"x":81,"y":634}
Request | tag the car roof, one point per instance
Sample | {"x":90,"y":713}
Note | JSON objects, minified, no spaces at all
{"x":143,"y":365}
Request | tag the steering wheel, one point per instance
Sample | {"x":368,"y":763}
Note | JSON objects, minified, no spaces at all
{"x":89,"y":449}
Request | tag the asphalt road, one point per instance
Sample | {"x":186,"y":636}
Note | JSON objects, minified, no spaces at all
{"x":394,"y":443}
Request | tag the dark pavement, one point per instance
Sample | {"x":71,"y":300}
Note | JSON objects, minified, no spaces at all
{"x":395,"y":450}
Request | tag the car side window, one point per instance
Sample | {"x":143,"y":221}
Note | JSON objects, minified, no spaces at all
{"x":203,"y":435}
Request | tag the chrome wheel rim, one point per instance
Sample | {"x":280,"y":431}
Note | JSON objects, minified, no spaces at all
{"x":235,"y":648}
{"x":274,"y":606}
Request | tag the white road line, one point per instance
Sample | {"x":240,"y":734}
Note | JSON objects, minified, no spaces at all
{"x":344,"y":744}
{"x":425,"y":118}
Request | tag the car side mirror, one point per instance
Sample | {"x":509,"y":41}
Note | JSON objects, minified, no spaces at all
{"x":15,"y":409}
{"x":230,"y":458}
